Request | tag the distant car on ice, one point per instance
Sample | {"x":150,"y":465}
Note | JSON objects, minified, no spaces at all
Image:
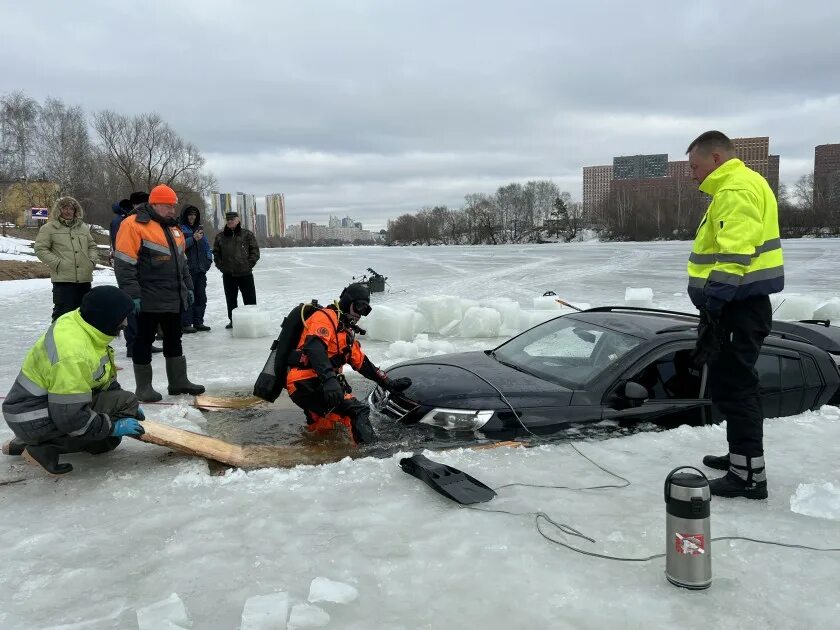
{"x":607,"y":363}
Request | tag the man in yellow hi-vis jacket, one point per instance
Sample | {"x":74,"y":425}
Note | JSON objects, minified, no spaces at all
{"x":66,"y":398}
{"x":735,"y":264}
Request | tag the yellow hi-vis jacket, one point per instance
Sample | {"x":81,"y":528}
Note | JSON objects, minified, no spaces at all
{"x":737,"y":252}
{"x":53,"y":393}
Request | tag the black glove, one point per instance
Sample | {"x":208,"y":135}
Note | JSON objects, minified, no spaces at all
{"x":333,"y":392}
{"x":396,"y":384}
{"x":709,"y":337}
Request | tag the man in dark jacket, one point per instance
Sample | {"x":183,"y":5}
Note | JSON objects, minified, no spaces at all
{"x":235,"y":252}
{"x":135,"y":200}
{"x":199,"y":261}
{"x":151,"y":267}
{"x":121,"y":210}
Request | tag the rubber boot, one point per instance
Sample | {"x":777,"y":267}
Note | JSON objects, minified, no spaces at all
{"x":143,"y":376}
{"x":46,"y":457}
{"x":718,"y":462}
{"x":13,"y":447}
{"x":176,"y":372}
{"x":746,"y":478}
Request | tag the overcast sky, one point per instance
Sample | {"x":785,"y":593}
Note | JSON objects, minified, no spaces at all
{"x":373,"y":109}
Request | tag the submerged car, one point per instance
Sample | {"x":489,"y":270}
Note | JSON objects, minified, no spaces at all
{"x":607,"y":363}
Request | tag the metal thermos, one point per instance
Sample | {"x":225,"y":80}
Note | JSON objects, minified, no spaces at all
{"x":688,"y":536}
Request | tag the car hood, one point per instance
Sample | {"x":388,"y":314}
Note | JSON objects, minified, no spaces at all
{"x":443,"y":381}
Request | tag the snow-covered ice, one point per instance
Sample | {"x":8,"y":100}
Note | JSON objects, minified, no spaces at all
{"x":326,"y":590}
{"x":251,"y":321}
{"x":638,"y":297}
{"x":168,"y":614}
{"x":308,"y":616}
{"x":821,"y":500}
{"x":266,"y":612}
{"x":131,"y":528}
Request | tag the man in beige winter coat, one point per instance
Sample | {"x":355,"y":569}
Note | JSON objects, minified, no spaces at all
{"x":65,"y":245}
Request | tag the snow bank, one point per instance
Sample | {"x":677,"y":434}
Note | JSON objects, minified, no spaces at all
{"x":12,"y":248}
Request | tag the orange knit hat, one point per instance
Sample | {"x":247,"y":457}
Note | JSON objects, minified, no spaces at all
{"x":163,"y":194}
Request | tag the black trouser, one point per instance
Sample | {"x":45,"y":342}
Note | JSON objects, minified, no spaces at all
{"x":117,"y":403}
{"x":67,"y":296}
{"x":309,"y":396}
{"x":147,"y":325}
{"x":234,"y":284}
{"x":195,"y":314}
{"x":130,"y":332}
{"x":733,"y":381}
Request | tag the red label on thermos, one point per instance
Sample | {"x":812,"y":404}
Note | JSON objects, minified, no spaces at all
{"x":690,"y":544}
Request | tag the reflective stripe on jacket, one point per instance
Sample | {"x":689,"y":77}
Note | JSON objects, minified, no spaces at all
{"x":53,"y":393}
{"x":342,"y":346}
{"x":150,"y":266}
{"x":737,"y":252}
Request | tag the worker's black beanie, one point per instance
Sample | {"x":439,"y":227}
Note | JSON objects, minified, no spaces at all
{"x":105,"y":307}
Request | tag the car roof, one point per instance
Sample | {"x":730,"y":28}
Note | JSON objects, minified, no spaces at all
{"x":639,"y":322}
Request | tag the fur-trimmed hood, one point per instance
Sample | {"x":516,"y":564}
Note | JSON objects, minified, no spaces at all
{"x":64,"y":201}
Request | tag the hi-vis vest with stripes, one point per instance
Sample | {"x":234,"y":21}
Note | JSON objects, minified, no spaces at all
{"x":737,"y":252}
{"x":53,"y":393}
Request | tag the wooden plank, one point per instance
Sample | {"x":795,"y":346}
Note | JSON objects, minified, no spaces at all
{"x":203,"y":401}
{"x":261,"y":456}
{"x":250,"y":456}
{"x":192,"y":443}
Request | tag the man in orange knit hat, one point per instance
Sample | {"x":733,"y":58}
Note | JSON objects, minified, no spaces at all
{"x":151,"y":267}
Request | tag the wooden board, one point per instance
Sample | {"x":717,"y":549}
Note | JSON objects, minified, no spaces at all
{"x":252,"y":456}
{"x":204,"y":401}
{"x":258,"y":456}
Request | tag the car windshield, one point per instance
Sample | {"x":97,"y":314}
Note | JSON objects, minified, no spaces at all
{"x":566,"y":351}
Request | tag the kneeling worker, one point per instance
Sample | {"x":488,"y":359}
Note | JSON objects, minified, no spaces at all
{"x":315,"y":381}
{"x":66,"y":398}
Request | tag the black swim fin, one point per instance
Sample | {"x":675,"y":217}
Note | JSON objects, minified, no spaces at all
{"x":448,"y":481}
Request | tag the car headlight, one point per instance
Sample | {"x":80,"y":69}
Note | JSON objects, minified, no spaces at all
{"x":451,"y":419}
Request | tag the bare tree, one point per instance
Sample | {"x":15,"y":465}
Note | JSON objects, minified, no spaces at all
{"x":63,"y":152}
{"x":147,"y":152}
{"x":18,"y":116}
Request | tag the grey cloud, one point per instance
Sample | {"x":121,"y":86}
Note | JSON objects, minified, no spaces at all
{"x":373,"y":107}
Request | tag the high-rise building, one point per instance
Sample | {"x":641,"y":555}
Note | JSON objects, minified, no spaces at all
{"x":306,"y":230}
{"x":827,"y":174}
{"x":246,"y":206}
{"x":640,"y":166}
{"x":596,"y":188}
{"x":275,"y":208}
{"x":219,"y":204}
{"x":262,"y":226}
{"x":335,"y":222}
{"x":654,"y":176}
{"x":755,"y":153}
{"x":773,"y":173}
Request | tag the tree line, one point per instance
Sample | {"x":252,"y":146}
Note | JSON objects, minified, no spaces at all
{"x":637,"y":210}
{"x":98,"y":158}
{"x":515,"y":213}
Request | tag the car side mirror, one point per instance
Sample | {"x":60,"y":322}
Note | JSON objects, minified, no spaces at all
{"x":635,"y":393}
